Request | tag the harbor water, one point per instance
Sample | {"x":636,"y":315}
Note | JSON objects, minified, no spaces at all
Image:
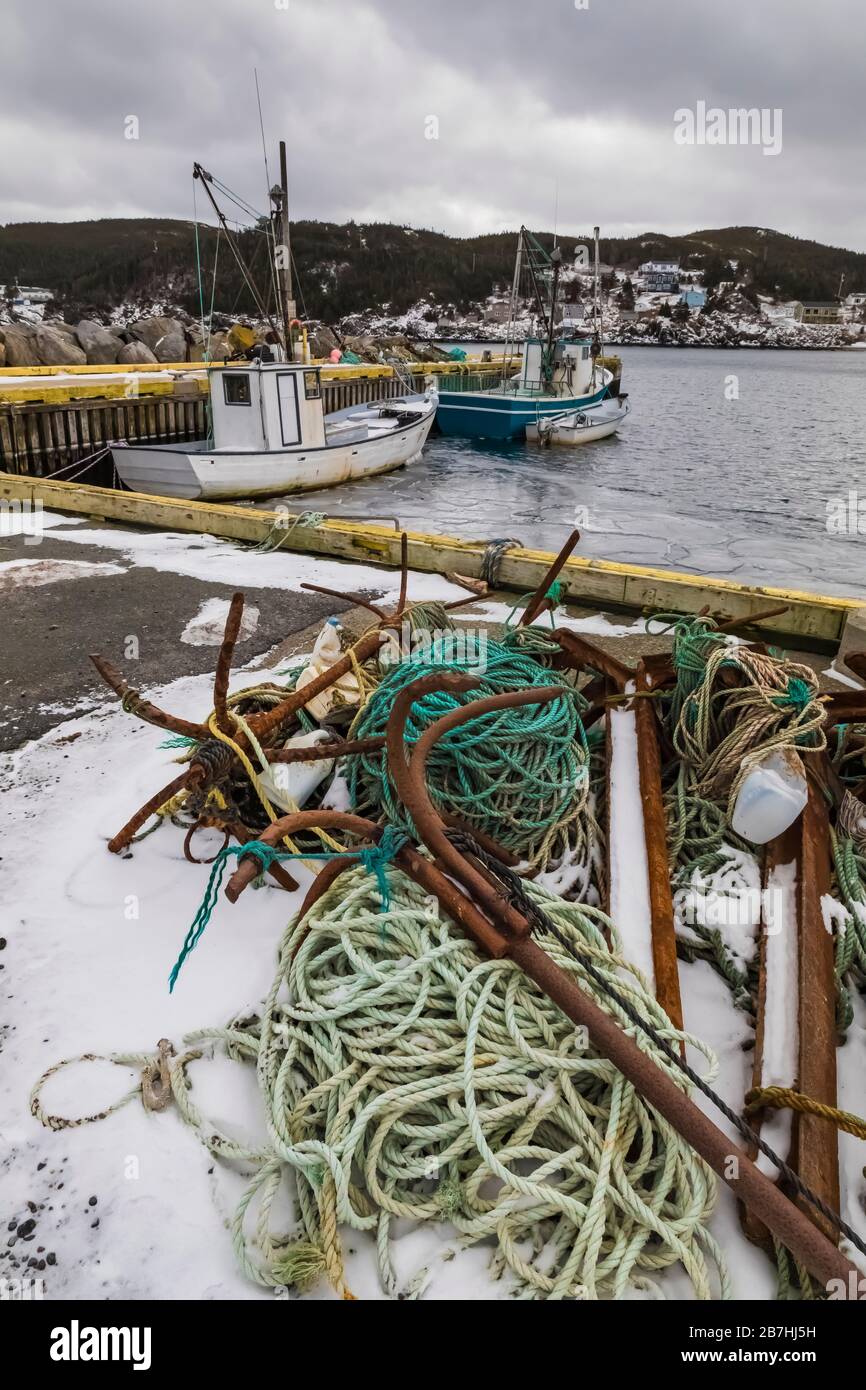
{"x":742,"y":464}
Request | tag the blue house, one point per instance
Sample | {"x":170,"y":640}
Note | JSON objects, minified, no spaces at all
{"x":696,"y":299}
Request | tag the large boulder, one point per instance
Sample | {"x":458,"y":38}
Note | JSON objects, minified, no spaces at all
{"x":2,"y":350}
{"x":136,"y":352}
{"x":164,"y":336}
{"x":99,"y":344}
{"x":322,"y":341}
{"x":59,"y":326}
{"x":49,"y":346}
{"x":218,"y":347}
{"x":58,"y":348}
{"x":18,"y":339}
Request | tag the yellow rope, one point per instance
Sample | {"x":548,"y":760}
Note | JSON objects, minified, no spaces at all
{"x":783,"y":1097}
{"x":254,"y":778}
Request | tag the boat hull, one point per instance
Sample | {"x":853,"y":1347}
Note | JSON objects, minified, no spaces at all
{"x":198,"y":472}
{"x":580,"y":427}
{"x":491,"y":415}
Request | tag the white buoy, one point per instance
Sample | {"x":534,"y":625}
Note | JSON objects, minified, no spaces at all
{"x":771,"y":797}
{"x":289,"y":785}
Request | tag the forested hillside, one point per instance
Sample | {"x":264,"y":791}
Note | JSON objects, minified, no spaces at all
{"x":343,"y":269}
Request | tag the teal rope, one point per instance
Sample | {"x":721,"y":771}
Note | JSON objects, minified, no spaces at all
{"x":374,"y":860}
{"x":554,"y":593}
{"x":519,"y":775}
{"x":798,"y":694}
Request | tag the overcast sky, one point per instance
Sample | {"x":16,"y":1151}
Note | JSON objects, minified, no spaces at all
{"x":535,"y":100}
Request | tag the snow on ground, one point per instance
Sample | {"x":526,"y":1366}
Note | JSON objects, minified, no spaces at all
{"x":207,"y":627}
{"x":134,"y":1206}
{"x":26,"y":574}
{"x":90,"y":943}
{"x":211,"y":559}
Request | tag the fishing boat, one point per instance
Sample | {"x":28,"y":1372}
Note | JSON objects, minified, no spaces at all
{"x":271,"y":436}
{"x":580,"y":426}
{"x":560,"y":372}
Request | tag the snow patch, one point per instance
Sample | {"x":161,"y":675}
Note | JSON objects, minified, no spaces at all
{"x":207,"y":627}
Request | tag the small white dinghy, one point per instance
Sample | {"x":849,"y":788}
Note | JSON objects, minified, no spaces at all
{"x":580,"y":426}
{"x":271,"y":436}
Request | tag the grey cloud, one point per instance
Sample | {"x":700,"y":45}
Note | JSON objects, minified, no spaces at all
{"x":513,"y":84}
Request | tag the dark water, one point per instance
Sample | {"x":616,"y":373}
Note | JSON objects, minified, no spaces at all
{"x":696,"y":481}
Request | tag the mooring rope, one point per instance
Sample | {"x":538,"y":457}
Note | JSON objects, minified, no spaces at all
{"x":520,"y":775}
{"x":404,"y":1075}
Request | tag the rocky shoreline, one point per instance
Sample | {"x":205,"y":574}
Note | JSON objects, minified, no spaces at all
{"x":166,"y":337}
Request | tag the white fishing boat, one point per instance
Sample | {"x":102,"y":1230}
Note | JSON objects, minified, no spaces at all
{"x":580,"y":426}
{"x":270,"y":436}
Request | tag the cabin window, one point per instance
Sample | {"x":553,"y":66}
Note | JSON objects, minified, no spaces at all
{"x":584,"y":352}
{"x":236,"y":386}
{"x":312,"y":386}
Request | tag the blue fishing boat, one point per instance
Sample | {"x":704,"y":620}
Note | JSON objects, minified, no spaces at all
{"x":558,"y":373}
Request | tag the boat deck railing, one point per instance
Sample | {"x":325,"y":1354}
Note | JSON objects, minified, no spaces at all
{"x":471,"y":381}
{"x":506,"y":383}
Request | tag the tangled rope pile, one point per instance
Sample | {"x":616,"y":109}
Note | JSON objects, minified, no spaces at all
{"x":719,"y":729}
{"x":520,"y":775}
{"x":404,"y":1075}
{"x":730,"y":706}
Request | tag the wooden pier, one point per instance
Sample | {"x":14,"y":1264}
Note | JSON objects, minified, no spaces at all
{"x":808,"y":621}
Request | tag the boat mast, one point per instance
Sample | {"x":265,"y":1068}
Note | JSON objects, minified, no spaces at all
{"x":283,"y":250}
{"x":511,"y":334}
{"x":596,"y":301}
{"x":556,"y":262}
{"x":206,"y":179}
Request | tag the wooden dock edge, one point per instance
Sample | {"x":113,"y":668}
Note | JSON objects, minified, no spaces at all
{"x":812,"y":620}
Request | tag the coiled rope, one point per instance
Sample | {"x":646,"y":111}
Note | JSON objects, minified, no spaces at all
{"x":404,"y":1075}
{"x":520,"y":775}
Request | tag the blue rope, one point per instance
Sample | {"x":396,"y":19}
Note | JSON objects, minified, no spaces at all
{"x":374,"y":860}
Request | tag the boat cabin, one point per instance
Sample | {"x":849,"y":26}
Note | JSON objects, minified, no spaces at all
{"x":572,"y":367}
{"x":267,"y":406}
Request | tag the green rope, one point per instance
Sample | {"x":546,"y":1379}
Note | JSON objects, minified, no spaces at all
{"x":406,"y":1077}
{"x":554,"y":593}
{"x":520,"y":774}
{"x":279,"y":534}
{"x":373,"y":859}
{"x":718,"y":731}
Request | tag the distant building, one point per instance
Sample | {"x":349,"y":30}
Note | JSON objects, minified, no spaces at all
{"x":696,"y":299}
{"x":855,"y":307}
{"x":572,"y":313}
{"x":660,"y":276}
{"x":498,"y":311}
{"x":817,"y":311}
